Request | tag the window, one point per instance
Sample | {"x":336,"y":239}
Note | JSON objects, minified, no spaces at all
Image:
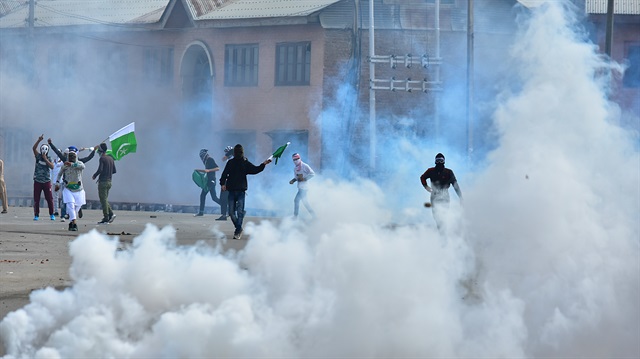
{"x":293,"y":63}
{"x":632,"y":73}
{"x":241,"y":65}
{"x":62,"y":64}
{"x":158,"y":66}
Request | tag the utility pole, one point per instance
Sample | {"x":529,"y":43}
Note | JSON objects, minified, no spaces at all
{"x":470,"y":83}
{"x":372,"y":94}
{"x":31,"y":20}
{"x":609,"y":31}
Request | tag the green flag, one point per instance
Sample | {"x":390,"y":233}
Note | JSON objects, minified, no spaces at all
{"x":123,"y":141}
{"x":278,"y":153}
{"x":200,"y":179}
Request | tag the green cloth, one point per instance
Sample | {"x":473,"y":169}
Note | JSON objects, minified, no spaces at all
{"x":200,"y":179}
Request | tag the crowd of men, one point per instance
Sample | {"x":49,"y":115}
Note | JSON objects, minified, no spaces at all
{"x":61,"y":181}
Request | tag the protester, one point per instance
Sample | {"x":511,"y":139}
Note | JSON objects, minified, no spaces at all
{"x":441,"y":178}
{"x":57,"y":165}
{"x":63,"y":155}
{"x":3,"y":189}
{"x":106,"y":169}
{"x":302,"y":172}
{"x":73,"y":192}
{"x":234,"y":180}
{"x":64,"y":158}
{"x":42,"y":179}
{"x":210,"y":168}
{"x":224,"y":195}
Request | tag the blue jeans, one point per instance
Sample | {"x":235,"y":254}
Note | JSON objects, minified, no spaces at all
{"x":236,"y":208}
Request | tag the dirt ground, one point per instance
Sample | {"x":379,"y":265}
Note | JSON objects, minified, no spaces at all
{"x":34,"y":254}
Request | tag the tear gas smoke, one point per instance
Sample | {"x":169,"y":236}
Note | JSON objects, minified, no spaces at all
{"x":542,"y":262}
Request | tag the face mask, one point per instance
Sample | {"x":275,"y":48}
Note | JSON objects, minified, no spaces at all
{"x":297,"y":162}
{"x":44,"y":149}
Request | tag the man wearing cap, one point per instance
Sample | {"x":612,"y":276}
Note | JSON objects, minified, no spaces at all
{"x":106,"y":169}
{"x":210,"y":168}
{"x":441,"y":178}
{"x":64,"y":157}
{"x":302,"y":172}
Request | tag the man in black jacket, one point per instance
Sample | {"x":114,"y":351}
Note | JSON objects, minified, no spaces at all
{"x":234,"y":180}
{"x":441,"y":179}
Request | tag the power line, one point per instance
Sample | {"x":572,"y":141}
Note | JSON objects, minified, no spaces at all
{"x":85,"y":18}
{"x":102,"y":39}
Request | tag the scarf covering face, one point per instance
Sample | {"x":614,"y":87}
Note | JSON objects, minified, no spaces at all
{"x":297,"y":161}
{"x":440,"y":161}
{"x":204,"y":155}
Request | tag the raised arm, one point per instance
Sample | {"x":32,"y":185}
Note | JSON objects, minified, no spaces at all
{"x":56,"y":150}
{"x":89,"y":157}
{"x":35,"y":145}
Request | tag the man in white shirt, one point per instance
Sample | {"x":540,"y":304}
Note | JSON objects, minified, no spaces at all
{"x":302,"y":173}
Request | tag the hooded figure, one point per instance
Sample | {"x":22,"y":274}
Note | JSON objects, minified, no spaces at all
{"x":210,"y":168}
{"x":302,"y":172}
{"x":441,"y":179}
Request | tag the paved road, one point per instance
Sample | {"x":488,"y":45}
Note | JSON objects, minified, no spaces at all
{"x":34,"y":255}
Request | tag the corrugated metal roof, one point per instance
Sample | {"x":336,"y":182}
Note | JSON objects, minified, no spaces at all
{"x":497,"y":18}
{"x":246,"y":9}
{"x":84,"y":12}
{"x":620,"y":7}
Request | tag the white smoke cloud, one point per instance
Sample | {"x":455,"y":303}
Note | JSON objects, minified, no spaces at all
{"x":542,"y":261}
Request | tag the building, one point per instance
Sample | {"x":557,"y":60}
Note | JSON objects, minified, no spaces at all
{"x":210,"y":73}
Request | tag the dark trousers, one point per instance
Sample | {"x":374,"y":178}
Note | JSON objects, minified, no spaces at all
{"x":103,"y":194}
{"x":224,"y":202}
{"x":203,"y":196}
{"x":236,"y":208}
{"x":48,"y":196}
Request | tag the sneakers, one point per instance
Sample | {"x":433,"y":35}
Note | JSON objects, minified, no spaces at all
{"x":199,"y":214}
{"x":112,"y":218}
{"x":80,"y":213}
{"x":221,"y":218}
{"x":73,"y":227}
{"x":53,"y":218}
{"x":66,"y":216}
{"x":4,"y":211}
{"x":35,"y":218}
{"x":62,"y":219}
{"x":237,"y":235}
{"x":104,"y":221}
{"x":56,"y":214}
